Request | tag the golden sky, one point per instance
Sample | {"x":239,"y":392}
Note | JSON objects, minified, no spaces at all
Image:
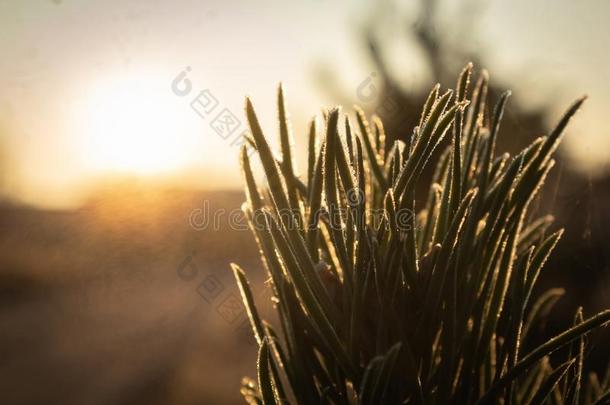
{"x":87,"y":85}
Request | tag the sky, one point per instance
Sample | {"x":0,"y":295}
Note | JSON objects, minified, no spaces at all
{"x":88,"y":87}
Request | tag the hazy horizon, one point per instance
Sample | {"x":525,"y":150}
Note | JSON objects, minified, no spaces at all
{"x":87,"y":86}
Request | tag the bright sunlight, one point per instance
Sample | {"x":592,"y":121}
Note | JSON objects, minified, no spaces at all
{"x":132,"y":126}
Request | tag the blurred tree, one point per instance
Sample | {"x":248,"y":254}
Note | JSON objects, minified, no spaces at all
{"x":443,"y":52}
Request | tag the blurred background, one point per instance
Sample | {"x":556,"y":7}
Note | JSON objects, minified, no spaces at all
{"x":120,"y":125}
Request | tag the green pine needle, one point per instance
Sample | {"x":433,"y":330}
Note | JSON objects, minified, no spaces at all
{"x":382,"y":298}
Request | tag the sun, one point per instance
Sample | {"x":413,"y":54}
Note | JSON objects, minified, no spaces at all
{"x":132,"y":125}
